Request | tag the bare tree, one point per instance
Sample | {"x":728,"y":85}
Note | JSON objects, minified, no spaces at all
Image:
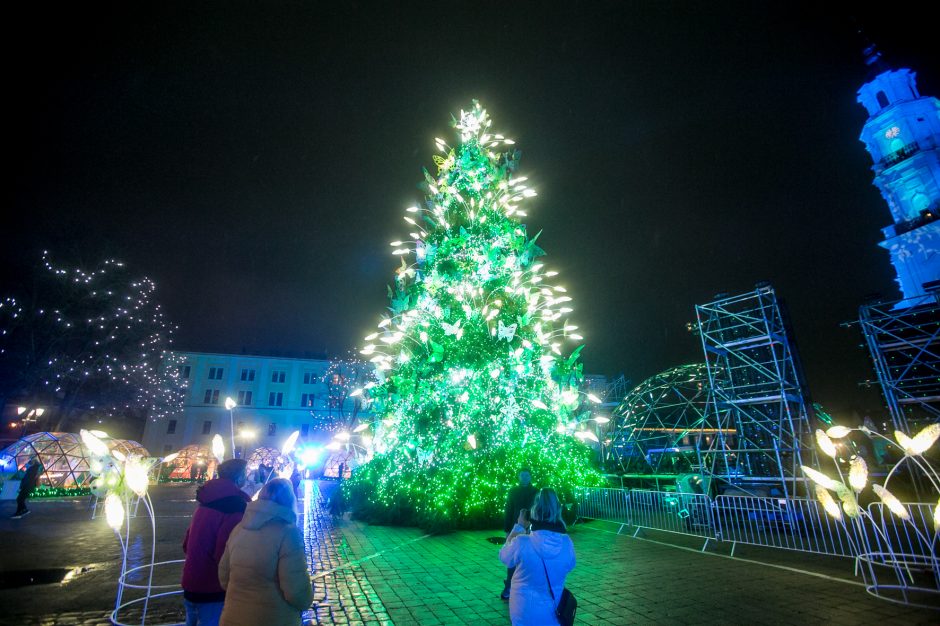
{"x":86,"y":341}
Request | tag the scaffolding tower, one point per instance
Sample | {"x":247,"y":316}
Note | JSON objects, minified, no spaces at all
{"x":758,"y":400}
{"x":904,"y":342}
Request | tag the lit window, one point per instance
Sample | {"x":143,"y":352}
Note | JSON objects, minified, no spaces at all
{"x":307,"y":399}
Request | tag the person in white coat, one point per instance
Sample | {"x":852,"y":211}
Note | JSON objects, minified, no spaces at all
{"x":542,"y":555}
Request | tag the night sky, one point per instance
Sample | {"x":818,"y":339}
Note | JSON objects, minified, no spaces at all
{"x":255,"y":159}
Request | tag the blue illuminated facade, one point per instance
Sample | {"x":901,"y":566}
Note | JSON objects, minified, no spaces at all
{"x":902,"y":135}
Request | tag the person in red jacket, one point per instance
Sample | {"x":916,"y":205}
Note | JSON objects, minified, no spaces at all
{"x":221,"y":506}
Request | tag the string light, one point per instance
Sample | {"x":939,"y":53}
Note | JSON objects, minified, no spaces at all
{"x":104,"y":341}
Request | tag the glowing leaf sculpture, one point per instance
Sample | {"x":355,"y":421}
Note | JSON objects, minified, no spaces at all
{"x":891,"y":502}
{"x":114,"y":511}
{"x":288,"y":446}
{"x":922,"y":441}
{"x":136,"y":475}
{"x":218,"y":447}
{"x":838,"y":432}
{"x":94,"y":444}
{"x":476,"y":377}
{"x":858,"y":473}
{"x":825,"y":444}
{"x":821,"y":479}
{"x":826,"y":499}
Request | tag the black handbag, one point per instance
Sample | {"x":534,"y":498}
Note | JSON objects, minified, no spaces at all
{"x":567,"y":606}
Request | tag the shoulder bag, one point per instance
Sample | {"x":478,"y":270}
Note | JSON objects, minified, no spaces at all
{"x":567,"y":605}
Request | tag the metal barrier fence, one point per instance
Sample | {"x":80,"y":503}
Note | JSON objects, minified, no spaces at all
{"x":791,"y":524}
{"x":797,"y":524}
{"x":681,"y":513}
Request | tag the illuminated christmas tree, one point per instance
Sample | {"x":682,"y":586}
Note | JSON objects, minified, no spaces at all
{"x":474,"y":379}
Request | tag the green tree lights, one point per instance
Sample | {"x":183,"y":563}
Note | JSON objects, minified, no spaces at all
{"x":473,"y":377}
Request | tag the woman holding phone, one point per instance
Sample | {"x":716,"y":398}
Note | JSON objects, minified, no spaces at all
{"x":540,"y":550}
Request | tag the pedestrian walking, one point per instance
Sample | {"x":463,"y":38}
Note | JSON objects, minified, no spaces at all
{"x":27,"y":484}
{"x":520,"y":497}
{"x":542,"y":554}
{"x":264,"y":568}
{"x":221,"y":506}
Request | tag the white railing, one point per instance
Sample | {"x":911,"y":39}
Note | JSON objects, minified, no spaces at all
{"x":898,"y":558}
{"x":681,"y":513}
{"x":787,"y":523}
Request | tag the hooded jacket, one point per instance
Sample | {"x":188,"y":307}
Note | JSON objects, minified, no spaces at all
{"x":264,"y":569}
{"x":221,"y":505}
{"x":530,"y":602}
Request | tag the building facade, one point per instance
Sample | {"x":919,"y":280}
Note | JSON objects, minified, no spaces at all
{"x":902,"y":134}
{"x":274,"y":396}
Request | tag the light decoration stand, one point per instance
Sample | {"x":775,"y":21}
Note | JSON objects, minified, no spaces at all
{"x":896,"y":550}
{"x":474,"y":379}
{"x":757,"y":393}
{"x":118,"y":479}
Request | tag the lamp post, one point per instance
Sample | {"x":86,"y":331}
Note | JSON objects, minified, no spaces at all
{"x":28,"y":415}
{"x":230,"y":405}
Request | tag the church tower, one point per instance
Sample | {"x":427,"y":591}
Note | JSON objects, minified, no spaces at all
{"x":902,"y":135}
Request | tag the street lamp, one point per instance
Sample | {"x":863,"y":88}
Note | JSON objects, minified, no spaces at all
{"x":230,"y":405}
{"x":29,"y":415}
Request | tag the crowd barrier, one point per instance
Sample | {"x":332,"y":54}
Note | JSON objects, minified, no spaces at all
{"x":681,"y":513}
{"x":787,"y":523}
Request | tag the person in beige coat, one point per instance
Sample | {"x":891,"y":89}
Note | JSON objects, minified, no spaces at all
{"x":263,"y":569}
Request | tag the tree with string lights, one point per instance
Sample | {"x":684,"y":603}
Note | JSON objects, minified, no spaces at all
{"x":474,"y":379}
{"x":343,"y":376}
{"x":88,"y":343}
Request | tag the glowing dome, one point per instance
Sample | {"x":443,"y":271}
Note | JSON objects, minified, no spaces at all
{"x":661,"y":423}
{"x":271,"y":457}
{"x":63,"y":456}
{"x":192,"y":455}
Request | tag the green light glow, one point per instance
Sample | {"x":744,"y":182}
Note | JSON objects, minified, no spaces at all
{"x":474,"y":380}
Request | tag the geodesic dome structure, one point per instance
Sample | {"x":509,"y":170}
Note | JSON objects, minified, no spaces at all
{"x":346,"y":458}
{"x":662,"y":423}
{"x":191,"y":455}
{"x":271,"y":457}
{"x":63,"y":456}
{"x":127,"y":446}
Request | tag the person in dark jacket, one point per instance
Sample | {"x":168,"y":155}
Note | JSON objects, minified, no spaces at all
{"x":221,"y":506}
{"x":29,"y":482}
{"x":520,"y":497}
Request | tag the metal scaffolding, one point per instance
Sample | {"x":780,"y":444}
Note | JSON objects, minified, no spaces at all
{"x":904,"y":342}
{"x":758,"y":401}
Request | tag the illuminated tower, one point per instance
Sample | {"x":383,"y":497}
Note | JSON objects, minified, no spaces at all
{"x":902,"y":135}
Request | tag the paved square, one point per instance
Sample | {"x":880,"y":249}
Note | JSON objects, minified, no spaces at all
{"x":382,"y":575}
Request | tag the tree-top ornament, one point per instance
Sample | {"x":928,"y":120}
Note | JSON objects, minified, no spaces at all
{"x":475,"y":372}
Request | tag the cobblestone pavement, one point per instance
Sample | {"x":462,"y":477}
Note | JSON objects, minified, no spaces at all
{"x":342,"y":592}
{"x":381,"y":575}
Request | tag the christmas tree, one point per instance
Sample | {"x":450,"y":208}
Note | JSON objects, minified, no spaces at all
{"x":474,"y":378}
